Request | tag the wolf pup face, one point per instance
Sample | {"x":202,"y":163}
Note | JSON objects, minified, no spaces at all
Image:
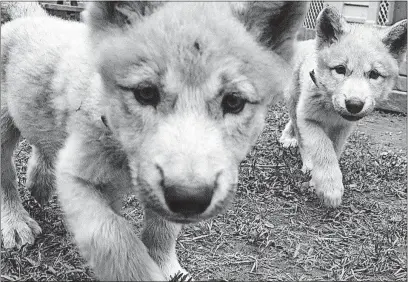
{"x":186,"y":86}
{"x":358,"y":64}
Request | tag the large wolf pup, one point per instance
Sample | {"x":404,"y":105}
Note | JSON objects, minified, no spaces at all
{"x":162,"y":100}
{"x":337,"y":80}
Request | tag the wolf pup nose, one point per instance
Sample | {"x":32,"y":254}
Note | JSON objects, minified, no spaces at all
{"x":354,"y":106}
{"x":187,"y":199}
{"x":183,"y":201}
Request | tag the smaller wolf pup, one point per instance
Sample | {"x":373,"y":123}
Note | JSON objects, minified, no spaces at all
{"x":337,"y":80}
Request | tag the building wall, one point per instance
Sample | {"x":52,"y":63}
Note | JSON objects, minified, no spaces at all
{"x":400,"y":11}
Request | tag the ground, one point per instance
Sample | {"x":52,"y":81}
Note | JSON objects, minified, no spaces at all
{"x":276,"y":228}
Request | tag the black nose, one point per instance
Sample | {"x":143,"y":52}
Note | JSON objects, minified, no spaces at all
{"x":354,"y":106}
{"x":188,"y":200}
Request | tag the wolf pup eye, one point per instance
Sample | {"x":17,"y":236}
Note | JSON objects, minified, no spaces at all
{"x":373,"y":74}
{"x":340,"y":69}
{"x":147,"y":96}
{"x":232,"y":104}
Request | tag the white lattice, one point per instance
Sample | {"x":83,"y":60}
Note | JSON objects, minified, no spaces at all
{"x":383,"y":12}
{"x":314,"y":10}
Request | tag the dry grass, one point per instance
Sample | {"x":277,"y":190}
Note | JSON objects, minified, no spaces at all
{"x":275,"y":230}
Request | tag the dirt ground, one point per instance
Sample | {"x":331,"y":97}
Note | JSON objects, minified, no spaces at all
{"x":388,"y":130}
{"x":276,"y":229}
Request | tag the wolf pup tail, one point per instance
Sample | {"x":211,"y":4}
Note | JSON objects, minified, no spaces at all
{"x":15,"y":10}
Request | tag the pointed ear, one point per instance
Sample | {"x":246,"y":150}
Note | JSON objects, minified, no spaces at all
{"x":274,"y":24}
{"x":117,"y":14}
{"x":330,"y":26}
{"x":396,"y":39}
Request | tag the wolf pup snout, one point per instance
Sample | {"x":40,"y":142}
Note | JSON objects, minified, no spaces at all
{"x":187,"y":198}
{"x":354,"y":106}
{"x":186,"y":173}
{"x":186,"y":201}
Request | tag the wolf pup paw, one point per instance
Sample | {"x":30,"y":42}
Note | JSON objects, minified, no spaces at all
{"x":288,"y":142}
{"x":173,"y":270}
{"x":307,"y":167}
{"x":18,"y":229}
{"x":330,"y":193}
{"x":181,"y":277}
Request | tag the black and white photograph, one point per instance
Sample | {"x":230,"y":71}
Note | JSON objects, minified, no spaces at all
{"x":204,"y":141}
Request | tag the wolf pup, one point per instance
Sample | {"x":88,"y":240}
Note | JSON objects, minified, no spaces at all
{"x":337,"y":80}
{"x":159,"y":99}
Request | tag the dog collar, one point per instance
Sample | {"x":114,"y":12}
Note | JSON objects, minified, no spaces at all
{"x":313,"y":77}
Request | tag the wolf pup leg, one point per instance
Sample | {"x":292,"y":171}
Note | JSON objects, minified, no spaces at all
{"x":17,"y":227}
{"x":88,"y":189}
{"x":288,"y":138}
{"x":319,"y":157}
{"x":41,"y":175}
{"x":159,"y":236}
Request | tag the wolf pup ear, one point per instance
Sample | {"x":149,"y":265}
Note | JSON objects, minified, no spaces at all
{"x":274,"y":24}
{"x":330,"y":26}
{"x":396,"y":39}
{"x":113,"y":14}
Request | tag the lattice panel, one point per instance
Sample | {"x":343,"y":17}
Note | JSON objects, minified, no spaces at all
{"x":314,"y":10}
{"x":383,"y":12}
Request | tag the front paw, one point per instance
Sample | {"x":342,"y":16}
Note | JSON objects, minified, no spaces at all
{"x":288,"y":142}
{"x":331,"y":198}
{"x":181,"y":277}
{"x":329,"y":188}
{"x":307,"y":167}
{"x":174,"y":272}
{"x":18,"y":229}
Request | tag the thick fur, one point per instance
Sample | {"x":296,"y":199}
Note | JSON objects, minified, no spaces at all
{"x":324,"y":112}
{"x":71,"y":90}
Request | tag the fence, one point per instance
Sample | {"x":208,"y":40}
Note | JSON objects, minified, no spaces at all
{"x":69,"y":10}
{"x":373,"y":12}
